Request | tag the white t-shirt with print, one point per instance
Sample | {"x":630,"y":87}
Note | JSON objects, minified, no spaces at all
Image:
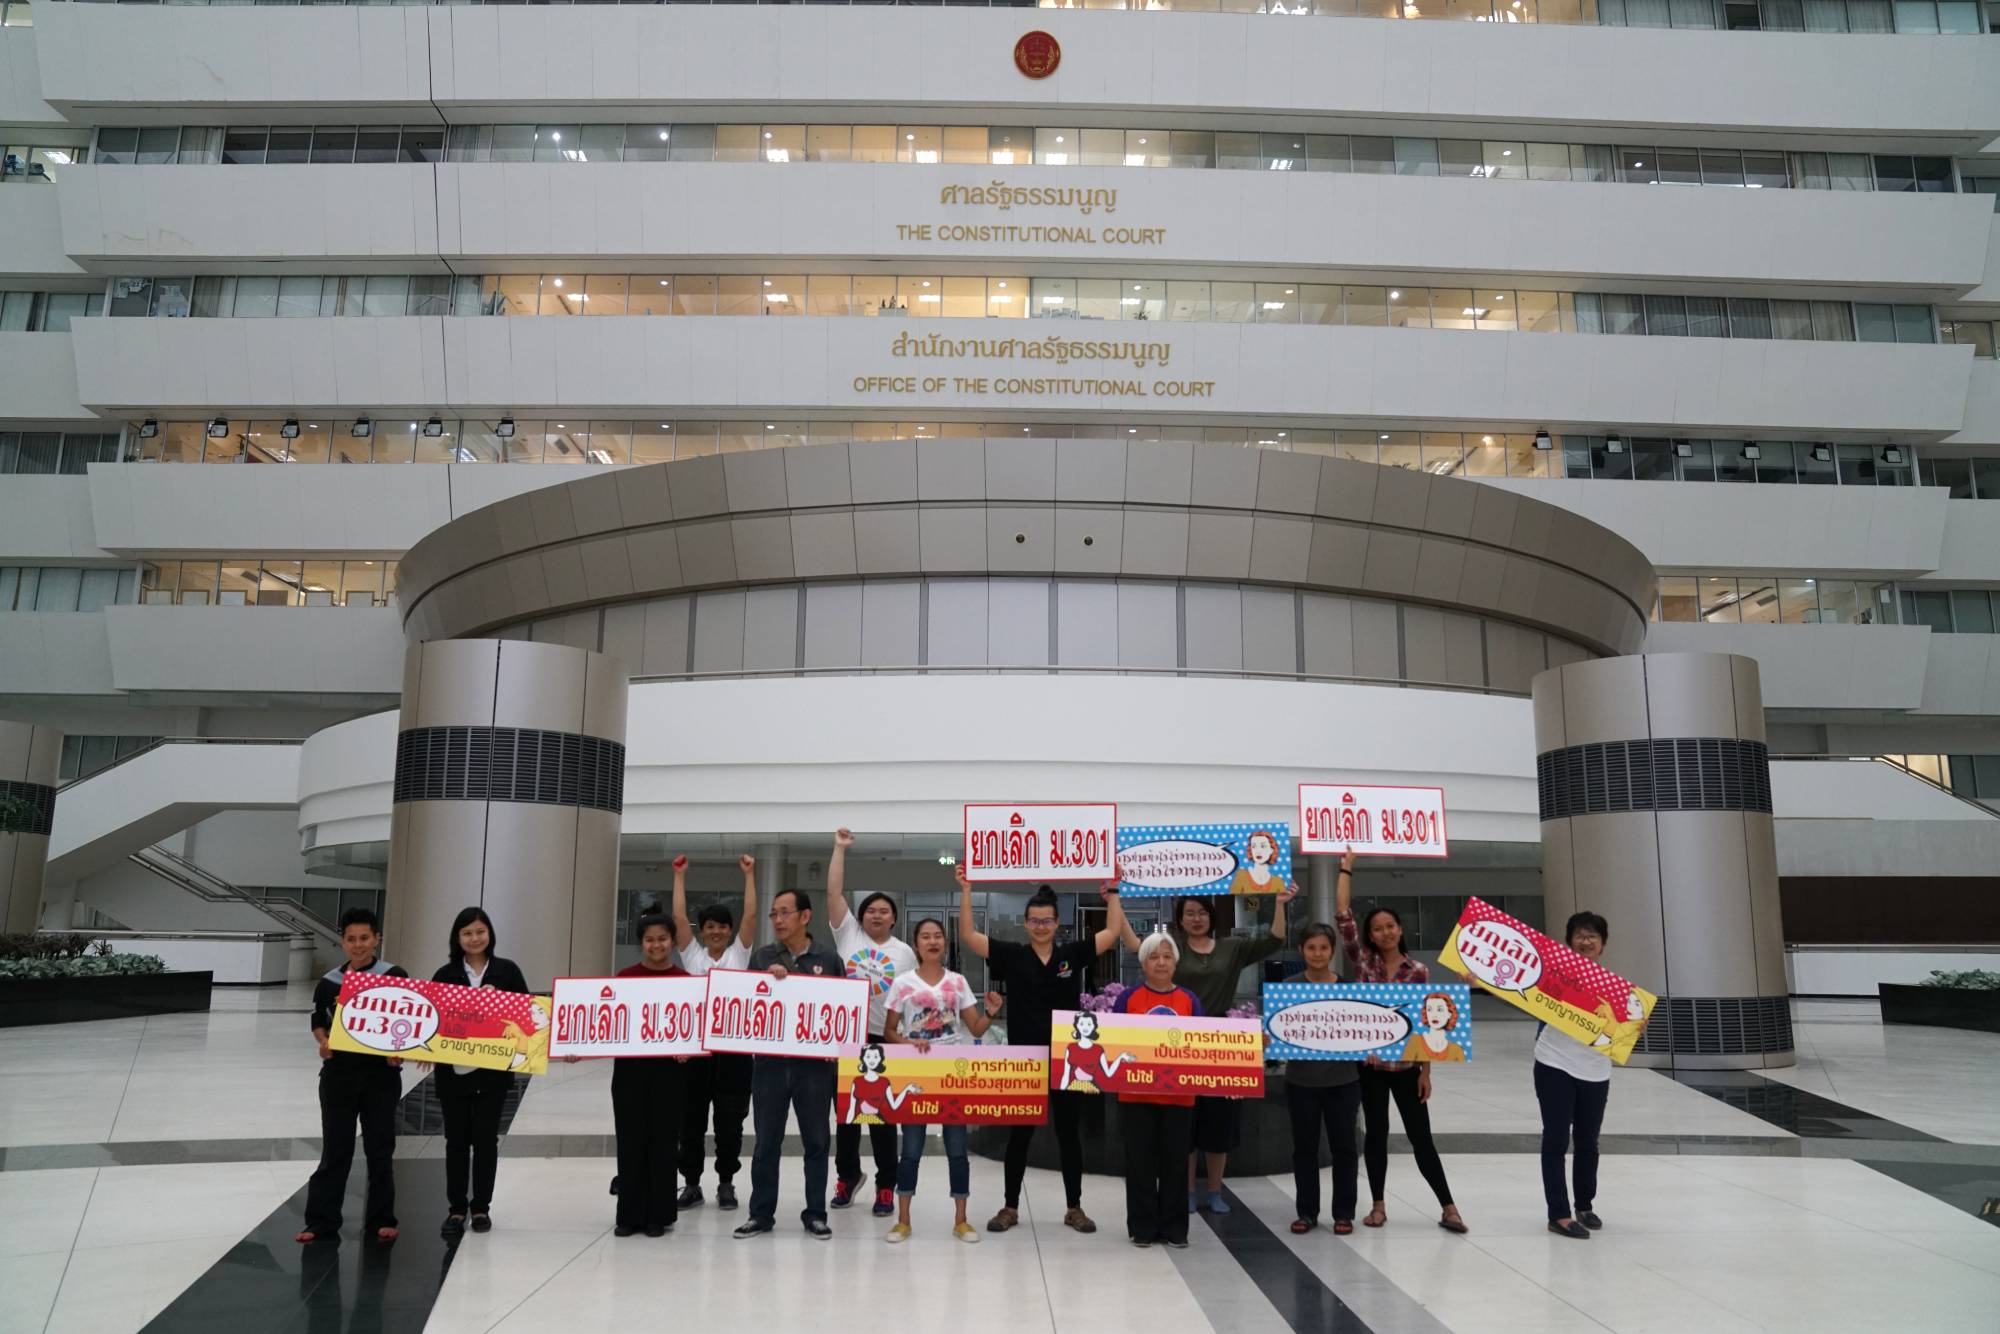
{"x":1560,"y":1051}
{"x":931,"y":1012}
{"x":877,"y":965}
{"x":697,"y":961}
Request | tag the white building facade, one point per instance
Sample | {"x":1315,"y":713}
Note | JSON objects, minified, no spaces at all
{"x":947,"y":404}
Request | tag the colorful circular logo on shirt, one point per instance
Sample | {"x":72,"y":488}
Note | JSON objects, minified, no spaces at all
{"x":874,"y":967}
{"x":1037,"y":54}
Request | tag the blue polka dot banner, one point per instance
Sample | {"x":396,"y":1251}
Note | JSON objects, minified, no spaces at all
{"x":1159,"y":860}
{"x":1351,"y":1021}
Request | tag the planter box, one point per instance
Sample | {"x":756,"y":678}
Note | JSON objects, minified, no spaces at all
{"x":70,"y":1000}
{"x":1940,"y":1007}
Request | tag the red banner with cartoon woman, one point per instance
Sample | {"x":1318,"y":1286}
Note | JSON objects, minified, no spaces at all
{"x":1548,"y":979}
{"x":956,"y":1085}
{"x":379,"y":1015}
{"x":1161,"y":1055}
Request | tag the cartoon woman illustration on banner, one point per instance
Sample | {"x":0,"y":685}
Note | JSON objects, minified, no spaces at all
{"x":1083,"y":1059}
{"x":1433,"y":1042}
{"x":871,"y":1096}
{"x":530,"y":1048}
{"x":1257,"y":875}
{"x":1621,"y":1037}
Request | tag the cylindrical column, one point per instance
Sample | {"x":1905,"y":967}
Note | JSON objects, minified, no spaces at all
{"x":1655,"y":795}
{"x":29,"y":757}
{"x":770,"y":879}
{"x":510,"y":776}
{"x":1323,"y":873}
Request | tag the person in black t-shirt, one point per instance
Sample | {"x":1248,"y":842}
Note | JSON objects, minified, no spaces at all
{"x":353,"y":1085}
{"x":1041,"y":977}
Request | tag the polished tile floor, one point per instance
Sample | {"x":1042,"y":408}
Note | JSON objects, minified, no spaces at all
{"x":149,"y":1174}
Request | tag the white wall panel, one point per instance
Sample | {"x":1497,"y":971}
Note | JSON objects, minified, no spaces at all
{"x":1982,"y":406}
{"x":1878,"y":667}
{"x":48,"y":519}
{"x":21,"y":80}
{"x":259,"y":651}
{"x":1962,"y":675}
{"x":38,"y":373}
{"x":1971,"y":542}
{"x":54,"y":653}
{"x":371,"y":512}
{"x":32,"y":226}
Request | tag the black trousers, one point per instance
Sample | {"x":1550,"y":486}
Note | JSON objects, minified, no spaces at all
{"x":646,"y":1114}
{"x":882,"y":1143}
{"x":363,"y":1089}
{"x":1377,"y":1087}
{"x":1065,"y":1109}
{"x":1157,"y":1136}
{"x":1570,"y":1107}
{"x":721,"y":1081}
{"x":472,"y":1104}
{"x":1335,"y":1111}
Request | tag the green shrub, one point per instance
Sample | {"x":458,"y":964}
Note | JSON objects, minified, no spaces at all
{"x":51,"y":945}
{"x":1977,"y":979}
{"x":69,"y":954}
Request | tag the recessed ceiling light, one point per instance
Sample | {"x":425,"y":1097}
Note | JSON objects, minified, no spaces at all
{"x":767,"y":134}
{"x":1003,"y":284}
{"x":1395,"y":296}
{"x":558,"y":282}
{"x":556,"y":135}
{"x":909,"y":136}
{"x":663,"y":134}
{"x":561,"y":427}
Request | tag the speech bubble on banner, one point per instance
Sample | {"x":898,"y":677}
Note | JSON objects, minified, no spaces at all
{"x":1501,"y":958}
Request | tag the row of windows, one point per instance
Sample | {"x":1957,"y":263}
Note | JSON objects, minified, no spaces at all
{"x":1497,"y":453}
{"x":1966,"y":479}
{"x":1829,"y":16}
{"x":31,"y":162}
{"x":46,"y":312}
{"x":64,"y":587}
{"x":1128,"y":298}
{"x":83,"y":756}
{"x":978,"y":145}
{"x":1960,"y":611}
{"x":1980,"y":335}
{"x":1975,"y":776}
{"x":1768,"y":600}
{"x":41,"y":452}
{"x":253,"y":582}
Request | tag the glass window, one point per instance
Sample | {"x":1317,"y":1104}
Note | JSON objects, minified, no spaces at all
{"x":1102,"y":148}
{"x":1548,"y":162}
{"x":1971,"y":611}
{"x":1833,"y":321}
{"x":469,"y":143}
{"x":1757,"y":599}
{"x":256,"y":297}
{"x":739,"y":294}
{"x":1775,"y":461}
{"x":1638,"y":166}
{"x":1463,"y":158}
{"x":1764,"y":171}
{"x":421,"y":143}
{"x":1913,"y":324}
{"x":1318,"y":304}
{"x":1196,"y":148}
{"x":289,"y":143}
{"x":60,"y":587}
{"x":1399,"y":449}
{"x":1678,"y":600}
{"x":1591,"y":162}
{"x":386,"y":295}
{"x":1840,"y":603}
{"x":1652,"y":460}
{"x":876,"y":295}
{"x":1373,"y":156}
{"x":1099,"y":299}
{"x":1792,"y":320}
{"x":298,"y":298}
{"x":1624,"y":314}
{"x":1931,"y":609}
{"x":1916,"y":16}
{"x":1454,"y":308}
{"x":1955,"y":475}
{"x":1365,"y":306}
{"x":1721,"y":166}
{"x":515,"y":143}
{"x":1188,"y":300}
{"x":333,"y":143}
{"x":1718,"y":599}
{"x":602,"y":143}
{"x":1058,"y":148}
{"x":558,"y":143}
{"x":1857,"y":465}
{"x":1850,"y":171}
{"x":158,"y":145}
{"x":1419,"y":157}
{"x":430,"y":294}
{"x":696,"y":143}
{"x":1986,"y":478}
{"x":117,"y":145}
{"x":1874,"y":323}
{"x":562,"y":294}
{"x":1443,"y":452}
{"x":372,"y":143}
{"x":1679,"y":166}
{"x":1666,"y":316}
{"x":1485,"y":456}
{"x":1505,"y":158}
{"x":1749,"y":317}
{"x":200,"y":144}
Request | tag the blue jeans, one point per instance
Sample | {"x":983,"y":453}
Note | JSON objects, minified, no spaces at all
{"x":781,"y":1086}
{"x":913,"y":1157}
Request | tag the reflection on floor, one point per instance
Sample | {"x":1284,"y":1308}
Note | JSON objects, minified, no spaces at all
{"x":1731,"y":1204}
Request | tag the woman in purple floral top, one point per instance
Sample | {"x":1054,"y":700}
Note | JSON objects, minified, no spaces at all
{"x":1375,"y":949}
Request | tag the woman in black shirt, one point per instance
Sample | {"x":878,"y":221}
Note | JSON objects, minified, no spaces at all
{"x":472,"y":1098}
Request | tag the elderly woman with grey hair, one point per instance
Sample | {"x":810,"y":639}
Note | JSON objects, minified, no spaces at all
{"x":1157,"y":1127}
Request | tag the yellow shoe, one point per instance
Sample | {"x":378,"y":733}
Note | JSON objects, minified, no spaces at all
{"x":966,"y":1233}
{"x":898,"y":1234}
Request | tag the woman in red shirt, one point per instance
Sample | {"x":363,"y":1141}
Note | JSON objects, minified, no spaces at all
{"x":1157,"y":1128}
{"x":646,"y":1107}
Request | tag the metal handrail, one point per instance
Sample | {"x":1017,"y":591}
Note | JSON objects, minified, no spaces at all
{"x":1977,"y":805}
{"x":211,"y":888}
{"x":159,"y":741}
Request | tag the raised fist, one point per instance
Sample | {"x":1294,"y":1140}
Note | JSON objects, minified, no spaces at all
{"x":842,"y":838}
{"x":680,"y":864}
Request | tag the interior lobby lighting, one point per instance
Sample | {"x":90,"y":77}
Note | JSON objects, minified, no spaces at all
{"x":1613,"y":444}
{"x":505,"y":430}
{"x":148,"y":429}
{"x":1683,"y":450}
{"x":362,"y":429}
{"x":434,"y":428}
{"x":1542,"y":440}
{"x":218,"y":428}
{"x":1822,"y":453}
{"x":1753,"y":452}
{"x":290,"y":430}
{"x":1892,"y":456}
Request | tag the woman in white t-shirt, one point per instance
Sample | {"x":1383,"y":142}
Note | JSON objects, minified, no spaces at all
{"x":933,"y":1007}
{"x":1572,"y":1084}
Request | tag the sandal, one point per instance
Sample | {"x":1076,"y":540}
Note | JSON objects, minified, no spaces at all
{"x":1343,"y":1227}
{"x":1376,"y":1217}
{"x":306,"y":1238}
{"x":1451,"y":1222}
{"x":386,"y":1234}
{"x":1300,"y":1227}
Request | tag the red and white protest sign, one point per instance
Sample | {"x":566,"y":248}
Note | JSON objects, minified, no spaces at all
{"x":1040,"y":841}
{"x":760,"y":1015}
{"x":1377,"y":821}
{"x":629,"y":1016}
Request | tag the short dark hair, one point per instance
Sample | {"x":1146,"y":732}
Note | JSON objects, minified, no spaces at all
{"x":466,"y":917}
{"x":716,"y":912}
{"x":360,"y":917}
{"x":1200,"y":900}
{"x":1591,"y":920}
{"x":799,"y":899}
{"x":1043,"y":898}
{"x":937,"y":922}
{"x":862,"y":911}
{"x":1320,"y":930}
{"x":648,"y":922}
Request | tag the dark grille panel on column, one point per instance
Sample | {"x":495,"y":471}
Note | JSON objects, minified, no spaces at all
{"x":39,"y":800}
{"x":1718,"y":1026}
{"x":510,"y":764}
{"x":1670,"y":774}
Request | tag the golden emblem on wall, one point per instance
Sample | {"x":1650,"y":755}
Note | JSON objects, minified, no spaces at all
{"x":1037,"y":54}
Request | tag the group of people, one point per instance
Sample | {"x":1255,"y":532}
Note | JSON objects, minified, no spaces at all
{"x":662,"y":1107}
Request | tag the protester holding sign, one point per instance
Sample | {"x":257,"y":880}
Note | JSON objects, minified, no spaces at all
{"x":1157,"y":1127}
{"x":1210,"y":966}
{"x":1572,"y":1084}
{"x":1042,"y":977}
{"x":646,"y":1112}
{"x":791,"y":1085}
{"x":472,"y":1098}
{"x":867,"y":944}
{"x":932,"y":1007}
{"x":1323,"y":1093}
{"x":723,"y":1080}
{"x":1375,"y":947}
{"x":353,"y":1085}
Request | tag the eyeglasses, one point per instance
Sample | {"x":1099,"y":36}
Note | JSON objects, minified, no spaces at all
{"x":1041,"y":921}
{"x":779,"y":914}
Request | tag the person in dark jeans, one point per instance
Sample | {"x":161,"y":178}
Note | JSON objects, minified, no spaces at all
{"x":353,"y":1086}
{"x":473,"y":1098}
{"x":782,"y":1085}
{"x":1040,"y":978}
{"x":1572,"y":1084}
{"x":1323,"y":1095}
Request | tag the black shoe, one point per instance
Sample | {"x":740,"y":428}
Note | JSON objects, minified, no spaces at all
{"x":656,"y":1232}
{"x":689,"y":1197}
{"x":482,"y":1222}
{"x":725,"y":1195}
{"x":1589,"y":1219}
{"x":817,"y":1229}
{"x":843,"y":1193}
{"x":756,"y":1227}
{"x":1180,"y":1245}
{"x":1571,"y":1229}
{"x":622,"y":1231}
{"x":454,"y":1225}
{"x":1142,"y":1242}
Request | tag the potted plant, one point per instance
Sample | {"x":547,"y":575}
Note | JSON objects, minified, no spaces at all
{"x":1968,"y":999}
{"x":59,"y":978}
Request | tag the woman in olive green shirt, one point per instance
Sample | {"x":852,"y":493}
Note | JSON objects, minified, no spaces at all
{"x":1210,"y":966}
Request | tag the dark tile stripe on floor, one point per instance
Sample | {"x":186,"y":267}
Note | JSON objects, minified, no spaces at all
{"x":1300,"y":1297}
